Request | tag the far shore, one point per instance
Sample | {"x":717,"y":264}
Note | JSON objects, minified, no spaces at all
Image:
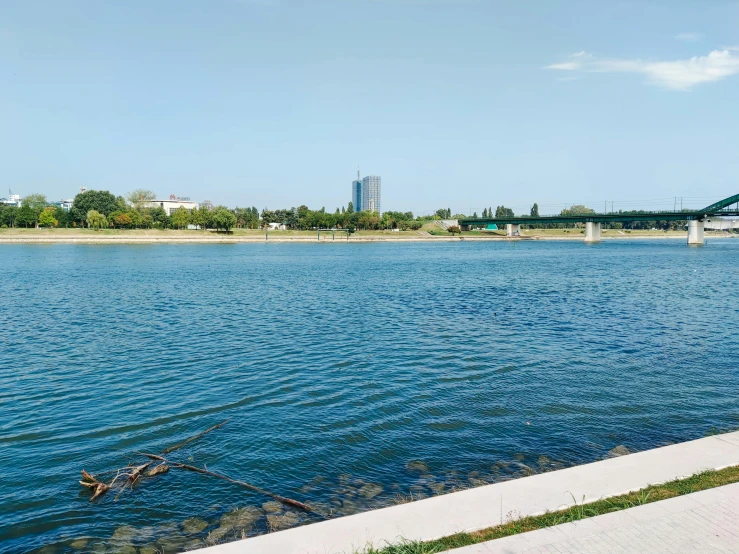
{"x":146,"y":236}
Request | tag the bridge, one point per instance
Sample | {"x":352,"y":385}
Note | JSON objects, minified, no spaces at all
{"x":695,"y":218}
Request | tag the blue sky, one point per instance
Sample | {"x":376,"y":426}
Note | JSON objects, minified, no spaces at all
{"x":461,"y":104}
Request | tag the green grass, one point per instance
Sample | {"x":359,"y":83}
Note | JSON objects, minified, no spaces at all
{"x":579,"y":510}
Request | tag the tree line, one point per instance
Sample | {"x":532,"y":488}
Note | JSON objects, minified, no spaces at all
{"x":98,"y":209}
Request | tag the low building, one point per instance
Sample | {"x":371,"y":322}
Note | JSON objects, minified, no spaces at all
{"x":173,"y":204}
{"x":65,"y":205}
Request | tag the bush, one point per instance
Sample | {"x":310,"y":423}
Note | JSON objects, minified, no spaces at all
{"x":3,"y":226}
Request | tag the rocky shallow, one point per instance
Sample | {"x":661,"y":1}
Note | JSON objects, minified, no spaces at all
{"x":341,"y":496}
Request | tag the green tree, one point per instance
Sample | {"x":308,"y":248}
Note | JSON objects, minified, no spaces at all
{"x":36,"y":201}
{"x":63,"y":217}
{"x":160,"y":217}
{"x":8,"y":214}
{"x":181,"y":217}
{"x":223,"y":218}
{"x":96,"y":220}
{"x":140,"y":198}
{"x":535,"y":210}
{"x":502,"y":211}
{"x":100,"y":201}
{"x":454,"y":229}
{"x":26,"y":216}
{"x":46,"y":218}
{"x":350,"y":208}
{"x":577,"y":209}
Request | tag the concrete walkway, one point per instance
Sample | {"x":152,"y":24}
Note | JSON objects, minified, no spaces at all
{"x":705,"y":522}
{"x":491,"y":505}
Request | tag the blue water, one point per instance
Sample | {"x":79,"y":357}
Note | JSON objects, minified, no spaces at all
{"x":355,"y":375}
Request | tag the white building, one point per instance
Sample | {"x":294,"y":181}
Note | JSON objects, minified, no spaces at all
{"x":12,"y":200}
{"x":173,"y":204}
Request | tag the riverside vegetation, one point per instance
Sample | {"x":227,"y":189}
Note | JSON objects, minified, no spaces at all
{"x":98,"y":209}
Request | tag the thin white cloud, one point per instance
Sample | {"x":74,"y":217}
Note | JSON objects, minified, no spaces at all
{"x":689,"y":37}
{"x":677,"y":74}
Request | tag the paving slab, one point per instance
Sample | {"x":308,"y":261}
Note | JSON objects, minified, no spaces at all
{"x":490,"y":505}
{"x":711,"y":525}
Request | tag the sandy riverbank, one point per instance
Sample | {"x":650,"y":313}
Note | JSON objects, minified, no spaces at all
{"x":85,"y":236}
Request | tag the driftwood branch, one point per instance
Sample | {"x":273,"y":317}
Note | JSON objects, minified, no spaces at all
{"x":195,"y":437}
{"x":132,"y":474}
{"x":282,"y":499}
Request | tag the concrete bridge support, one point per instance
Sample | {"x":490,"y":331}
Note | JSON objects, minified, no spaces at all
{"x":512,"y":230}
{"x":592,"y":232}
{"x":695,"y":232}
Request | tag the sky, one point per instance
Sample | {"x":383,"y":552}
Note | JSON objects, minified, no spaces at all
{"x":461,"y":104}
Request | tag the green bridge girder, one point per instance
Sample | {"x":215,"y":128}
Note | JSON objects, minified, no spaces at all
{"x":722,"y":205}
{"x":719,"y":208}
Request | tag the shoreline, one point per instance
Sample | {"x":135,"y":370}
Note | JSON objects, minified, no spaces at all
{"x":148,"y":239}
{"x":476,"y":509}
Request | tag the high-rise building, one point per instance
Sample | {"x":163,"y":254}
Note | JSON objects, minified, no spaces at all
{"x":371,"y":189}
{"x":357,"y":194}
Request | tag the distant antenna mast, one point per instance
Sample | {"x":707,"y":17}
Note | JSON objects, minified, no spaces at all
{"x":357,"y":173}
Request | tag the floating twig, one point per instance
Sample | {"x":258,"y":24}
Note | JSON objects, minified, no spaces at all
{"x":195,"y":437}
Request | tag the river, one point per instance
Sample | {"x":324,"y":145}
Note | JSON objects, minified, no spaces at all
{"x":355,"y":376}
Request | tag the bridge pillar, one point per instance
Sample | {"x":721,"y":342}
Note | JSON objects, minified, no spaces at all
{"x":592,"y":231}
{"x":695,"y":232}
{"x":512,"y":230}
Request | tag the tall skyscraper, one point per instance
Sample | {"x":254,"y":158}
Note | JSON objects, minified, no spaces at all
{"x":371,"y":189}
{"x":357,"y":193}
{"x":366,"y":193}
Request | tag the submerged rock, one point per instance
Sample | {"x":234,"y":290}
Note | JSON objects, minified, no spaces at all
{"x":217,"y":535}
{"x":193,"y":525}
{"x":124,"y":533}
{"x":272,"y":507}
{"x":172,"y":545}
{"x":243,"y":518}
{"x":280,"y":522}
{"x":370,"y":490}
{"x":79,"y":544}
{"x":437,"y":488}
{"x":417,"y":465}
{"x":524,"y":469}
{"x":620,"y":450}
{"x":194,"y":544}
{"x":148,"y":549}
{"x":349,"y":507}
{"x":125,"y":549}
